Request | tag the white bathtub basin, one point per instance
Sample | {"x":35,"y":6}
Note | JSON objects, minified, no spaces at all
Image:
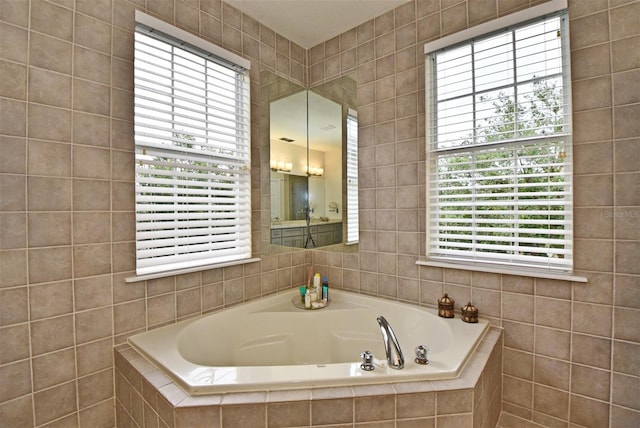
{"x":269,"y":344}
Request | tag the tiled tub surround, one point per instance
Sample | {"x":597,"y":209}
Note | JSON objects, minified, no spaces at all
{"x":571,"y":357}
{"x":146,"y":396}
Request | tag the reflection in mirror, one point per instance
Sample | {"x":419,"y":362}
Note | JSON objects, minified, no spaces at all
{"x":306,"y":195}
{"x":313,"y":177}
{"x":352,"y":220}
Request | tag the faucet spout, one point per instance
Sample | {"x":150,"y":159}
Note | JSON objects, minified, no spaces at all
{"x":395,"y":359}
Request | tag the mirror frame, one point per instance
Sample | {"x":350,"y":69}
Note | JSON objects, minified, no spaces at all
{"x":342,"y":90}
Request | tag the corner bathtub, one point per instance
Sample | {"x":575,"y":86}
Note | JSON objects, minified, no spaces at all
{"x":269,"y":344}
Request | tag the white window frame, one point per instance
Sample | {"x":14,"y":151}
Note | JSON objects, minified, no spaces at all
{"x":437,"y":257}
{"x":172,"y":240}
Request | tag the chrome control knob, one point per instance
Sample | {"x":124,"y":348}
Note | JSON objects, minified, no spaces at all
{"x":421,"y":355}
{"x":367,"y":361}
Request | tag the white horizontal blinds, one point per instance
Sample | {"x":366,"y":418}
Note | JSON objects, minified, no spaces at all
{"x":504,"y":87}
{"x":500,"y":173}
{"x":193,"y":203}
{"x":352,"y":177}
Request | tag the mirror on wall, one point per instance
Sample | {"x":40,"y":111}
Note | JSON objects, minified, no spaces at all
{"x":309,"y":182}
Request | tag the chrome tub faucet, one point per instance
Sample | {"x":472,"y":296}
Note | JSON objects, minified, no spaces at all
{"x":395,"y":359}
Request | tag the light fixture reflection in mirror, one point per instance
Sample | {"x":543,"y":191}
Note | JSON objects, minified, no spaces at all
{"x":281,"y":166}
{"x":315,"y":171}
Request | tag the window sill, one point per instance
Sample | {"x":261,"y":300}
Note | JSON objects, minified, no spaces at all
{"x":146,"y":277}
{"x":520,"y":271}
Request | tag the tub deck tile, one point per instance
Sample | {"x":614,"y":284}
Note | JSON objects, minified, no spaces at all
{"x":289,"y":395}
{"x":330,"y":393}
{"x":373,"y":390}
{"x":244,"y":398}
{"x":450,"y":384}
{"x":157,"y":378}
{"x":142,"y":365}
{"x":494,"y":334}
{"x":414,"y":387}
{"x":202,"y":400}
{"x":173,"y":394}
{"x":485,"y":347}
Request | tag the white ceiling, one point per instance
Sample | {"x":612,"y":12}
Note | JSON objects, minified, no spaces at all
{"x":310,"y":22}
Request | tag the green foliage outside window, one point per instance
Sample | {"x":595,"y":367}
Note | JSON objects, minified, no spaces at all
{"x":506,"y":181}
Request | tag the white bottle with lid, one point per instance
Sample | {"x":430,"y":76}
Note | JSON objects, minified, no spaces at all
{"x":316,"y":286}
{"x":307,"y":299}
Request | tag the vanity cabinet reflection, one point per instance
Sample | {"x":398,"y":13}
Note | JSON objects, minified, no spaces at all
{"x":312,"y":236}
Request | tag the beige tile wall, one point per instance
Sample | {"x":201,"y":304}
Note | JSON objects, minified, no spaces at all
{"x":66,"y":204}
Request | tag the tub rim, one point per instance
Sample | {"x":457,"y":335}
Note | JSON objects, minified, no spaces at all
{"x":379,"y":376}
{"x":147,"y":375}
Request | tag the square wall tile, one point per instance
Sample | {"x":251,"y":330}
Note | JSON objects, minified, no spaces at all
{"x":553,"y":343}
{"x":50,"y":53}
{"x":590,"y":382}
{"x":552,"y":372}
{"x":50,"y":299}
{"x":54,"y":403}
{"x":48,"y":229}
{"x":46,"y":87}
{"x":591,"y":351}
{"x":13,"y":231}
{"x":49,"y":264}
{"x":589,"y":30}
{"x":15,"y":381}
{"x":551,"y":402}
{"x":14,"y":306}
{"x":625,"y":54}
{"x":49,"y":158}
{"x":94,"y":356}
{"x":49,"y":123}
{"x":91,"y":97}
{"x":14,"y":85}
{"x":624,"y":21}
{"x":626,"y":324}
{"x":517,"y":391}
{"x":65,"y":369}
{"x":51,"y":334}
{"x":94,"y":324}
{"x":625,"y":391}
{"x":51,"y":19}
{"x":592,"y":319}
{"x":91,"y":260}
{"x":17,"y":339}
{"x":18,"y":412}
{"x":588,"y":412}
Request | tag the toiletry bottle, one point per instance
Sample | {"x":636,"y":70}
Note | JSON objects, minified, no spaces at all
{"x":325,"y":289}
{"x":307,"y":298}
{"x":316,"y":285}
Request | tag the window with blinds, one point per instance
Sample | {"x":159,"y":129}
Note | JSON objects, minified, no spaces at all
{"x":353,"y":230}
{"x":192,"y":190}
{"x":499,"y":148}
